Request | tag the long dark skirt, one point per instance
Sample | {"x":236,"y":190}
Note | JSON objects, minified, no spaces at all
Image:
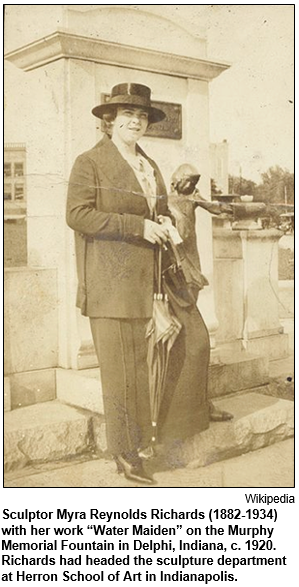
{"x":184,"y":410}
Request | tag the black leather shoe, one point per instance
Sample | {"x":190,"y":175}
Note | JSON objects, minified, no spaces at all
{"x":217,"y":415}
{"x":133,"y":472}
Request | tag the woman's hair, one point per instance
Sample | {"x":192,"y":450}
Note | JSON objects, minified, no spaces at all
{"x":108,"y":120}
{"x":111,"y":115}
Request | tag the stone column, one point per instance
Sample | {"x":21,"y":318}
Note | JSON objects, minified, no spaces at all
{"x":51,"y":152}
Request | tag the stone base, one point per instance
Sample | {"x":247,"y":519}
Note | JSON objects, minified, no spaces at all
{"x":48,"y":432}
{"x":32,"y":387}
{"x":237,"y":371}
{"x":259,"y":421}
{"x":80,"y":388}
{"x":275,"y":346}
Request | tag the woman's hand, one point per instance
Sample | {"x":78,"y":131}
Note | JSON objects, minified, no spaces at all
{"x":155,"y":233}
{"x":173,"y":233}
{"x":165,"y":220}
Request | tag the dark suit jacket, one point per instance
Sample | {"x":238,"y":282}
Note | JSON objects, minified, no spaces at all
{"x":106,"y":209}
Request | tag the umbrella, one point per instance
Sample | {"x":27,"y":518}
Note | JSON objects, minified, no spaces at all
{"x":162,"y":331}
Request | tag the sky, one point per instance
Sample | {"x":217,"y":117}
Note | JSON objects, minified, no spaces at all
{"x":251,"y":104}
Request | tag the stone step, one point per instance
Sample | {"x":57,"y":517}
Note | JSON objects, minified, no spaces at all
{"x":80,"y":388}
{"x":50,"y":431}
{"x":53,"y":431}
{"x":259,"y":421}
{"x":237,"y":371}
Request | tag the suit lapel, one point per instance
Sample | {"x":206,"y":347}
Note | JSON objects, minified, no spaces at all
{"x":116,"y":168}
{"x":120,"y":173}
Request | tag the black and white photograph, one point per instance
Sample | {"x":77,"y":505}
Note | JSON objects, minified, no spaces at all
{"x":148,"y":247}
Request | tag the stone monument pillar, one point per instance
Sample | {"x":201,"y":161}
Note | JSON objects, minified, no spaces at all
{"x":65,"y":73}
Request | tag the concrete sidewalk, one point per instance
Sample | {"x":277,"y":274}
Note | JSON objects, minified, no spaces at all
{"x":268,"y":467}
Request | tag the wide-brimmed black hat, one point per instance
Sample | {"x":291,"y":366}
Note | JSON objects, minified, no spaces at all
{"x":130,"y":95}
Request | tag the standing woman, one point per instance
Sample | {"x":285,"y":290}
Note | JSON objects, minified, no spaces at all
{"x":115,"y":192}
{"x":113,"y":195}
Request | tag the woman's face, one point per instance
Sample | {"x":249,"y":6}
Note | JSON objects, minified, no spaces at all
{"x":130,"y":124}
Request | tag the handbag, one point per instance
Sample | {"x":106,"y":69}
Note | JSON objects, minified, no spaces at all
{"x":177,"y":281}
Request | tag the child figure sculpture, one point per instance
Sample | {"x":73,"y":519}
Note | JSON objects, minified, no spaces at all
{"x":183,"y":201}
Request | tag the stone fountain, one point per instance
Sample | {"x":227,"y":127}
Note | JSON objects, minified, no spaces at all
{"x":246,"y":214}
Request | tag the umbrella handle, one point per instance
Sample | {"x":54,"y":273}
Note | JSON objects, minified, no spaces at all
{"x":159,"y":292}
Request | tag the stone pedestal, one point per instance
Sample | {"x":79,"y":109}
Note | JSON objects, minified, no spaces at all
{"x":247,"y":292}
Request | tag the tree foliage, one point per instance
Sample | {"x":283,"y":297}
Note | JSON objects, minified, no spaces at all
{"x":240,"y":185}
{"x":276,"y":187}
